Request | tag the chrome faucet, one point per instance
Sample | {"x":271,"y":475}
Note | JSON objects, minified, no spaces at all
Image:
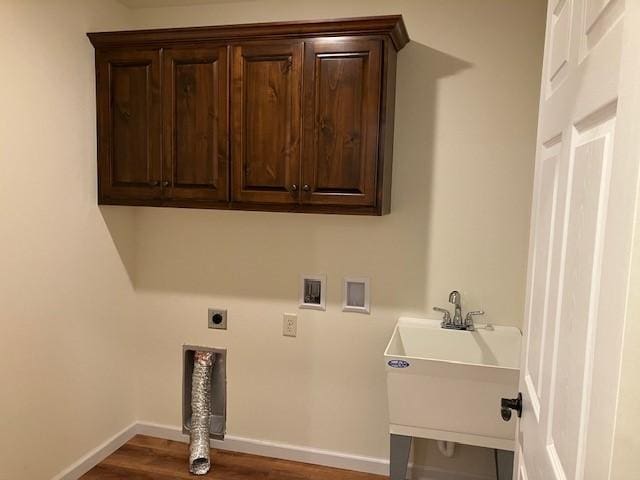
{"x":454,"y":298}
{"x":457,"y":322}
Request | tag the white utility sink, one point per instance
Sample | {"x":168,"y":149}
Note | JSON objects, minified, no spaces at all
{"x":447,"y":384}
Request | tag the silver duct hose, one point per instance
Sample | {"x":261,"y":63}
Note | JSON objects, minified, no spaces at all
{"x":199,"y":461}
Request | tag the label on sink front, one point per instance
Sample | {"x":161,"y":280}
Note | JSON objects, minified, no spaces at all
{"x":398,"y":363}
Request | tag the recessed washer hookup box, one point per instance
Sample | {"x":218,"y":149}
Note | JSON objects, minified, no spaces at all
{"x":218,"y":390}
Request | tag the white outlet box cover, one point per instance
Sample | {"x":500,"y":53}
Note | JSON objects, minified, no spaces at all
{"x":355,"y":295}
{"x":313,"y":292}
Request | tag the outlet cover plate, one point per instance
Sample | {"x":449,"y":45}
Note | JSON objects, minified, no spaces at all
{"x":217,"y":319}
{"x":290,"y":325}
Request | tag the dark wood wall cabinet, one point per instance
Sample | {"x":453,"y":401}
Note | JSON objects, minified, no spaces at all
{"x":294,"y":116}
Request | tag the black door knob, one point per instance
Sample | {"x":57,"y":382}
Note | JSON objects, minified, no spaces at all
{"x":509,"y":404}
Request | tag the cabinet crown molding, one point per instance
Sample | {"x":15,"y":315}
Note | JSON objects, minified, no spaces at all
{"x":390,"y":25}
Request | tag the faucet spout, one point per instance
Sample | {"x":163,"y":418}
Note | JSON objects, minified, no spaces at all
{"x":455,"y":299}
{"x":457,"y":322}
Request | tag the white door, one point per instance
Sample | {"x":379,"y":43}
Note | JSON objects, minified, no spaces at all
{"x":579,"y":247}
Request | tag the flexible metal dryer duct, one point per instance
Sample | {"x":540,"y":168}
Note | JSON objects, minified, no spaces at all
{"x":199,"y":460}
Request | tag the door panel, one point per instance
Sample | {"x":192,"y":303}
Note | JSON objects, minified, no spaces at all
{"x":196,"y":124}
{"x":266,"y":106}
{"x":560,"y":42}
{"x":572,"y":369}
{"x":341,"y":117}
{"x":545,"y":234}
{"x":570,"y":364}
{"x":599,"y":17}
{"x":129,"y":124}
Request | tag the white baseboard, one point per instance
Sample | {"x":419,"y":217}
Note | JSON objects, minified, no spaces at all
{"x":98,"y":454}
{"x":282,"y":451}
{"x":277,"y":450}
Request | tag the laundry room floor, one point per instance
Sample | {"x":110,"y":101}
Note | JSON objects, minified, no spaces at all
{"x":148,"y":458}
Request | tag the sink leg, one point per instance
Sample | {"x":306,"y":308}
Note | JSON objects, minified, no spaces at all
{"x":400,"y":447}
{"x":504,"y":464}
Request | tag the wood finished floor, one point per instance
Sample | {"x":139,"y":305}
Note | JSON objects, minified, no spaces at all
{"x":148,"y":458}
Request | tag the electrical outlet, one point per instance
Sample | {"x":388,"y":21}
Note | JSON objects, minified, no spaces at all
{"x":290,"y":325}
{"x":217,"y":319}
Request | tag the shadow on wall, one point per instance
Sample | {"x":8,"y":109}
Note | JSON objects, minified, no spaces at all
{"x":260,"y":255}
{"x":121,"y":223}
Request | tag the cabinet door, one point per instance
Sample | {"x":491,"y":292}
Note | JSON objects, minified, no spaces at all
{"x":266,"y":128}
{"x":129,"y":125}
{"x":196,"y":162}
{"x":341,"y":121}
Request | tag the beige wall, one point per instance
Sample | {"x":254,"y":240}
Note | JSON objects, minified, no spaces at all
{"x":465,"y":131}
{"x":66,"y":301}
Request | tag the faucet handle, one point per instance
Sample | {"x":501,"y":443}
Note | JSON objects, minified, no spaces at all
{"x":470,"y":315}
{"x":446,"y":314}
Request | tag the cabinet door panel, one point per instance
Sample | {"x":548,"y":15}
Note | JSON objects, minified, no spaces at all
{"x":196,"y":125}
{"x":129,"y":124}
{"x":341,"y":121}
{"x":266,"y":111}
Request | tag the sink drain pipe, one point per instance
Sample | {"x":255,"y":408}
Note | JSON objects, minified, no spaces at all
{"x":199,"y":460}
{"x":447,"y":448}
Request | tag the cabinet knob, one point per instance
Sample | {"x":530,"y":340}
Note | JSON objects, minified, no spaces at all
{"x":165,"y":183}
{"x":306,"y":187}
{"x":154,"y":183}
{"x":294,"y":188}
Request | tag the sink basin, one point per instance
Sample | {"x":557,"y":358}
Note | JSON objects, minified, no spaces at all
{"x":447,"y":384}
